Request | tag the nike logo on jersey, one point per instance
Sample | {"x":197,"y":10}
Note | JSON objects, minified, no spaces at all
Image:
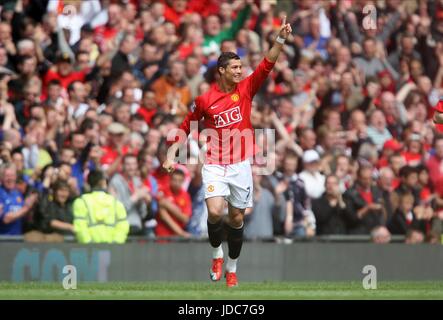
{"x":213,"y":107}
{"x":228,"y":117}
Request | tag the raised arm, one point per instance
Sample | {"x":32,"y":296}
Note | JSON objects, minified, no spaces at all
{"x":285,"y":31}
{"x":256,"y":79}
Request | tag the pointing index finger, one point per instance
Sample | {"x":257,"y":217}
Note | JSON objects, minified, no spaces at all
{"x":283,"y":22}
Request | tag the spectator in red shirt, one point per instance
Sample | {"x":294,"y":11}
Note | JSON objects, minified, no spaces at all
{"x":435,"y":162}
{"x":107,"y":32}
{"x":175,"y":208}
{"x":414,"y":150}
{"x":426,"y":194}
{"x":115,"y":149}
{"x":160,"y":173}
{"x":389,"y":148}
{"x":364,"y":209}
{"x":204,"y":7}
{"x":175,"y":10}
{"x":192,"y":40}
{"x":148,"y":107}
{"x":63,"y":72}
{"x":396,"y":162}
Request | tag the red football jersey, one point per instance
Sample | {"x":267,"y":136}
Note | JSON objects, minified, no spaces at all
{"x":227,"y":118}
{"x":181,"y":200}
{"x":439,"y":108}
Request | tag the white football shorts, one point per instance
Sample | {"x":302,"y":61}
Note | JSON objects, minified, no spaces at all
{"x":231,"y":181}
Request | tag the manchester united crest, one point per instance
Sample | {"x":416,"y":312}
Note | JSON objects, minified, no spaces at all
{"x":235,"y":97}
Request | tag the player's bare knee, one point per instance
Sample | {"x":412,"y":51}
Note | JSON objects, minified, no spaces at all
{"x":215,"y":213}
{"x":236,"y":220}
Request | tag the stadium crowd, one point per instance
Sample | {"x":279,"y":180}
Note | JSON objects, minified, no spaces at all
{"x":90,"y":89}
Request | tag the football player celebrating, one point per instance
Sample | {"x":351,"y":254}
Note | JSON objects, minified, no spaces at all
{"x":227,"y":175}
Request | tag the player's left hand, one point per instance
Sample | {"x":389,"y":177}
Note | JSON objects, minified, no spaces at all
{"x":285,"y":29}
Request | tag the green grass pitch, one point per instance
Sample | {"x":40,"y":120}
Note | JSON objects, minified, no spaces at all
{"x":202,"y":290}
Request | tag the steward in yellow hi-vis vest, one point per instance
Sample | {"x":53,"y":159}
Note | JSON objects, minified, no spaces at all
{"x":98,"y":216}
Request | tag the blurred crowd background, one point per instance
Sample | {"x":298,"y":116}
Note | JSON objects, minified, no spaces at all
{"x":95,"y":86}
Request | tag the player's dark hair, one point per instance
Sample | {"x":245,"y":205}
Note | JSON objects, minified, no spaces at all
{"x":224,"y":58}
